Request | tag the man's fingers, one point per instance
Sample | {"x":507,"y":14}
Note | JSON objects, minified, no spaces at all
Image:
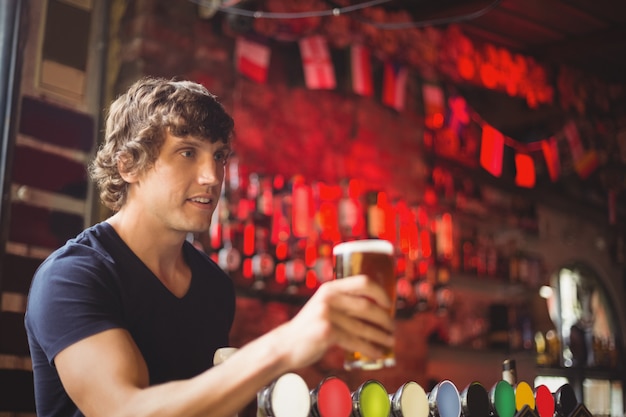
{"x":364,"y":286}
{"x":363,"y":309}
{"x":363,"y":331}
{"x":351,"y":341}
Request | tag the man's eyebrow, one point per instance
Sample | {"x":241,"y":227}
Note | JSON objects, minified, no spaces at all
{"x":192,"y":141}
{"x":225,"y":147}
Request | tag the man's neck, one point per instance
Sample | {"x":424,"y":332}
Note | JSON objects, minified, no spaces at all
{"x":159,"y":250}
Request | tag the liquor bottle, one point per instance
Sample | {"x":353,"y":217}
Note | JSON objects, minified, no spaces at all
{"x":262,"y":260}
{"x":229,"y":257}
{"x":301,"y":208}
{"x":468,"y":250}
{"x":326,"y":201}
{"x":350,"y":220}
{"x":323,"y":265}
{"x":509,"y":371}
{"x":265,"y":197}
{"x":280,"y":228}
{"x":374,"y":215}
{"x":295,"y":267}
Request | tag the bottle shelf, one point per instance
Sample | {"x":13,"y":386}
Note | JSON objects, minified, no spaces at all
{"x":489,"y":288}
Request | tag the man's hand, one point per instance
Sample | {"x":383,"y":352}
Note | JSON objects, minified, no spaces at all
{"x":352,"y":313}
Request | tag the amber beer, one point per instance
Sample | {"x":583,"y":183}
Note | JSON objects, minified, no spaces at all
{"x":374,"y":258}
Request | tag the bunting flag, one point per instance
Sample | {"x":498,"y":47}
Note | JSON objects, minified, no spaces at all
{"x":525,"y":170}
{"x":588,"y":163}
{"x":573,"y":139}
{"x":252,"y":59}
{"x":319,"y":73}
{"x":491,"y":150}
{"x":361,"y":70}
{"x":585,"y":161}
{"x":394,"y":85}
{"x":551,"y":155}
{"x":446,"y":119}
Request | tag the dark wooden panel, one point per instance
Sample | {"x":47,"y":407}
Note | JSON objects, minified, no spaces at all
{"x":17,"y":393}
{"x":13,"y":340}
{"x":41,"y":227}
{"x":56,"y":125}
{"x":17,"y":272}
{"x":49,"y":172}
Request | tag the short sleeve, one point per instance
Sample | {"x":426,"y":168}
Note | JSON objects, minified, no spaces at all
{"x":73,"y":295}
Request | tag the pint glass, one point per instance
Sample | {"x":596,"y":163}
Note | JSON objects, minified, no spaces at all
{"x":374,"y":258}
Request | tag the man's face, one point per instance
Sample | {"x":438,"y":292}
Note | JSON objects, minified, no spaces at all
{"x":180,"y":192}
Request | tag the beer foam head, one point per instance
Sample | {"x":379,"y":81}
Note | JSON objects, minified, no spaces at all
{"x":366,"y":245}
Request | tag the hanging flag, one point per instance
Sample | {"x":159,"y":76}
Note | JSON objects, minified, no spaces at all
{"x":572,"y":135}
{"x":525,"y":170}
{"x":588,"y":163}
{"x":252,"y":59}
{"x":585,"y":161}
{"x":361,"y":70}
{"x":319,"y":73}
{"x":491,"y":150}
{"x":551,"y":155}
{"x":394,"y":85}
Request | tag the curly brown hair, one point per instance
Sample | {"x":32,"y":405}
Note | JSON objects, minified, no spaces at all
{"x":136,"y":125}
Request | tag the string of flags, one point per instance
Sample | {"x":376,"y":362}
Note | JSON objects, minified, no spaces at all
{"x":252,"y":59}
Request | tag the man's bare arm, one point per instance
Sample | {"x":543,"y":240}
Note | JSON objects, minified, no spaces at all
{"x":105,"y":374}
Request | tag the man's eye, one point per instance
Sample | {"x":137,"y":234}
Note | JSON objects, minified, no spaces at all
{"x":222,"y":157}
{"x":188,"y":153}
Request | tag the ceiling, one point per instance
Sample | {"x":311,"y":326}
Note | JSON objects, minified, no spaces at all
{"x":585,"y":34}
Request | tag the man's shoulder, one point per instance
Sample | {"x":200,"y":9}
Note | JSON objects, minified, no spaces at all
{"x":88,"y":248}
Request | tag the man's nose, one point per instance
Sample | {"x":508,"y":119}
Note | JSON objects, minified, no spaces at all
{"x":208,"y":172}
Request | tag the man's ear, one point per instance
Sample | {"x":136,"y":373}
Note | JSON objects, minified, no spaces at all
{"x":130,"y":176}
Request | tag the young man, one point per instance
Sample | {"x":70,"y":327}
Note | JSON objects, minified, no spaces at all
{"x":124,"y":319}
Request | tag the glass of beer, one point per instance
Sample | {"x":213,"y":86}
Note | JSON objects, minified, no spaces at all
{"x":374,"y":258}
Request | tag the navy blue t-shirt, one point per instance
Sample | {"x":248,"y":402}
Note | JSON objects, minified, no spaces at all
{"x":94,"y":283}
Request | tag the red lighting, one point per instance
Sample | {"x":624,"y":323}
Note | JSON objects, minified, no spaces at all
{"x":355,"y":188}
{"x":422,"y":268}
{"x":489,"y":75}
{"x":445,"y":236}
{"x":430,"y":197}
{"x":248,"y":239}
{"x":279,"y":182}
{"x":437,"y":121}
{"x":247,"y":268}
{"x":310,"y":255}
{"x":216,"y":234}
{"x":301,"y":211}
{"x":525,"y":167}
{"x":328,"y":192}
{"x":466,"y":67}
{"x":281,"y":250}
{"x":280,"y":276}
{"x":401,"y":265}
{"x":427,"y":249}
{"x":311,"y":279}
